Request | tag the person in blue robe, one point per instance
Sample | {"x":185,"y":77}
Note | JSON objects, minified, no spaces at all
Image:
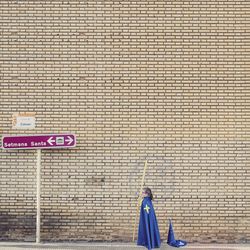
{"x":148,"y":231}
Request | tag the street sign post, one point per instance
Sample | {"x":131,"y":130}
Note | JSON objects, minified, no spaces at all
{"x":39,"y":142}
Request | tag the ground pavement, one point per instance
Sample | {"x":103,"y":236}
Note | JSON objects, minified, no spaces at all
{"x":113,"y":246}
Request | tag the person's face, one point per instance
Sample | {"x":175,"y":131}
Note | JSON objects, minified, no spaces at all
{"x":144,"y":194}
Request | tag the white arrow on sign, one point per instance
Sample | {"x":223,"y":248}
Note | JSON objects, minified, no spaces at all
{"x":50,"y":141}
{"x":69,"y":140}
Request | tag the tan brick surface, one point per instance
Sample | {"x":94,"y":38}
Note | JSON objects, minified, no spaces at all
{"x":166,"y":81}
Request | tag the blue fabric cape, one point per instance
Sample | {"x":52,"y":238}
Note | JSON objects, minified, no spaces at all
{"x":148,"y":231}
{"x":171,"y":239}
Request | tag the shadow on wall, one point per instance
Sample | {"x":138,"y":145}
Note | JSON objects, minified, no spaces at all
{"x":17,"y":227}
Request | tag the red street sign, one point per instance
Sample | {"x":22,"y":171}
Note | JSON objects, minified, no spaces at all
{"x":39,"y":141}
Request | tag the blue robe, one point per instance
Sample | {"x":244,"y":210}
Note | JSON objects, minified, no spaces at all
{"x":148,"y":231}
{"x":171,"y":238}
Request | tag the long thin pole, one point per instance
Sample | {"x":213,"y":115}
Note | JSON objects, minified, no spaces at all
{"x":139,"y":198}
{"x":38,"y":193}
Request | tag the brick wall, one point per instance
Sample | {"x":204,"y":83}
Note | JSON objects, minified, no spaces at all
{"x":166,"y":81}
